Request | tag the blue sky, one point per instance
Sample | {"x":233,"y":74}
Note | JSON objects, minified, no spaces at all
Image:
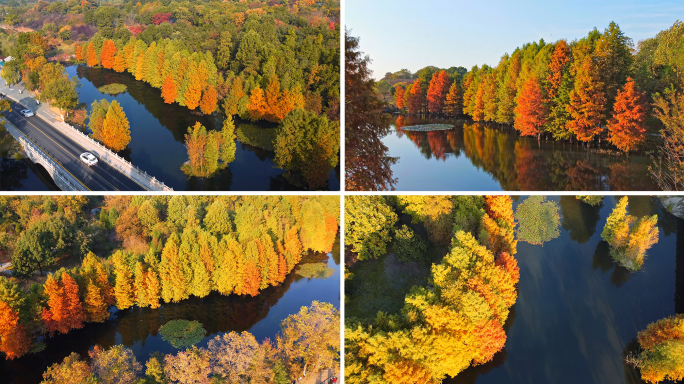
{"x":413,"y":34}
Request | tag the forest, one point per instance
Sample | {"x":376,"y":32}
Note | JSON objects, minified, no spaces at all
{"x":260,"y":61}
{"x":600,"y":87}
{"x":74,"y":258}
{"x":450,"y":282}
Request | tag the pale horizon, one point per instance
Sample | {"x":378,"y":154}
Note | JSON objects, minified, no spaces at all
{"x":400,"y":34}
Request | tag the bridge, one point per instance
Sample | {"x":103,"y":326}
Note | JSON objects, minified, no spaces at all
{"x":57,"y":146}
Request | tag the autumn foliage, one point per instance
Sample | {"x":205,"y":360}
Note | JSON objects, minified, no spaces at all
{"x":13,"y":339}
{"x":530,"y":111}
{"x":436,"y":94}
{"x":628,"y":125}
{"x":108,"y":54}
{"x":661,"y":345}
{"x":459,"y":321}
{"x":399,"y":97}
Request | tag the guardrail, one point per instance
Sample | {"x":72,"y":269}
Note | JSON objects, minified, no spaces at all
{"x":124,"y":166}
{"x":138,"y":175}
{"x":34,"y":150}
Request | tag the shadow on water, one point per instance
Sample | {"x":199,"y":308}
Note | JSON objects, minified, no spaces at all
{"x":24,"y":175}
{"x":483,"y":156}
{"x":137,"y":328}
{"x":158,"y":136}
{"x":578,"y":314}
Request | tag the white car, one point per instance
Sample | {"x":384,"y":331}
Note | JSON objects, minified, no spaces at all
{"x":27,"y":113}
{"x":88,"y":158}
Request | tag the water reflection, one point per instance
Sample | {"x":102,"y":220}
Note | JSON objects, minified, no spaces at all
{"x":579,"y":218}
{"x":158,"y":135}
{"x":510,"y":161}
{"x":578,"y":313}
{"x":23,"y":175}
{"x":137,"y":328}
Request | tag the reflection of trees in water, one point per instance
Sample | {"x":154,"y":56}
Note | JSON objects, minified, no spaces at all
{"x":605,"y":262}
{"x":217,"y":313}
{"x":13,"y":174}
{"x":632,"y":375}
{"x":470,"y":375}
{"x":520,"y":163}
{"x":222,"y":181}
{"x":173,"y":117}
{"x":579,"y":219}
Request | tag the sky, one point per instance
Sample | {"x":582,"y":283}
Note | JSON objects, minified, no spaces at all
{"x":413,"y":34}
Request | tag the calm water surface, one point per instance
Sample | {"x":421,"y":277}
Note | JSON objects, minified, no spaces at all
{"x":577,"y":313}
{"x":157,"y":138}
{"x":137,"y":328}
{"x":483,"y":157}
{"x":23,"y":175}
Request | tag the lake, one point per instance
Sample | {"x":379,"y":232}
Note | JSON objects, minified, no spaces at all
{"x":578,"y":314}
{"x":137,"y":328}
{"x":491,"y":157}
{"x":158,"y":136}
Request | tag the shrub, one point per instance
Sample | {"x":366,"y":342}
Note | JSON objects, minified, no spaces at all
{"x":113,"y":88}
{"x":182,"y":333}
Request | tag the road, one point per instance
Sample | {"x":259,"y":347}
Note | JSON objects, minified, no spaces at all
{"x":62,"y":150}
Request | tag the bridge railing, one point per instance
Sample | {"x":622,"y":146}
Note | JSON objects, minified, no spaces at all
{"x":141,"y":177}
{"x":124,"y":166}
{"x":65,"y":179}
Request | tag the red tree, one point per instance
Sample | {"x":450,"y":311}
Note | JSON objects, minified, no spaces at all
{"x":74,"y":309}
{"x":108,"y":54}
{"x":416,"y":98}
{"x":436,"y":95}
{"x":399,"y":97}
{"x":530,"y":111}
{"x":628,"y":125}
{"x":54,"y":316}
{"x":13,"y":340}
{"x":559,"y":59}
{"x":159,"y":18}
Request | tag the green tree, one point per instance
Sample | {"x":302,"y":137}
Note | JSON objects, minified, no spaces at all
{"x":308,"y":144}
{"x":538,"y":220}
{"x":38,"y":246}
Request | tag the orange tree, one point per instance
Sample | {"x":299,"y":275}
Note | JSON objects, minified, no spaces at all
{"x":628,"y":126}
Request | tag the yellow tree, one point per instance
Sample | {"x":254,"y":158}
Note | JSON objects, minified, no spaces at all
{"x":115,"y":132}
